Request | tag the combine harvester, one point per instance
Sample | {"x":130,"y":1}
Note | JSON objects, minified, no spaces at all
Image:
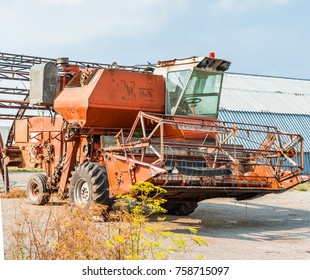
{"x":107,"y":127}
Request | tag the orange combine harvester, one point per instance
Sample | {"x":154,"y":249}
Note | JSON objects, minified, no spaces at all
{"x":111,"y":126}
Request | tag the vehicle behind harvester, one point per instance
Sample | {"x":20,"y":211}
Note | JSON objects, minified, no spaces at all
{"x":111,"y":127}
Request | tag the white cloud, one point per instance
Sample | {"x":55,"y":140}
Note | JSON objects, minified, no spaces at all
{"x":69,"y":2}
{"x":245,"y":5}
{"x":54,"y":22}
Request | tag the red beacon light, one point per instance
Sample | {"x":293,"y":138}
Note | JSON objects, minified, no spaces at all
{"x":212,"y":54}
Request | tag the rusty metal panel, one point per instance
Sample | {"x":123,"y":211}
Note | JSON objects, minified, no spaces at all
{"x":124,"y":172}
{"x":112,"y":99}
{"x":21,"y":131}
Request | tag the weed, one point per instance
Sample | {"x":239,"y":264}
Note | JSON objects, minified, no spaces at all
{"x":76,"y":234}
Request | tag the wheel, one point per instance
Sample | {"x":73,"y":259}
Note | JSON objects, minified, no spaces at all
{"x":89,"y":184}
{"x":193,"y":100}
{"x":37,"y":191}
{"x":180,"y":209}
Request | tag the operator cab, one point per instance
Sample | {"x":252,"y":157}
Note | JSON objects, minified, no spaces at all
{"x":193,"y":85}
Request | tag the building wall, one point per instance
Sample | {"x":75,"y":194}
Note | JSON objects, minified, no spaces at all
{"x":307,"y":164}
{"x":291,"y":123}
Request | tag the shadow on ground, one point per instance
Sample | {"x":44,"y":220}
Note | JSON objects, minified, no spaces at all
{"x":247,"y":220}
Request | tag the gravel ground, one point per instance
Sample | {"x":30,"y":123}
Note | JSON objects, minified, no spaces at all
{"x":273,"y":227}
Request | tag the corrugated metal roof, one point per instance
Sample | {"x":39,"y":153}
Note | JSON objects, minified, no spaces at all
{"x":298,"y":124}
{"x":251,"y":93}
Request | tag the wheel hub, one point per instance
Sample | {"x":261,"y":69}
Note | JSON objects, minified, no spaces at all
{"x":81,"y":192}
{"x":34,"y":190}
{"x":84,"y":191}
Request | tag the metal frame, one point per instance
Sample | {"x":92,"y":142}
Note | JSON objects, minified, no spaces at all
{"x":268,"y":146}
{"x":16,"y":67}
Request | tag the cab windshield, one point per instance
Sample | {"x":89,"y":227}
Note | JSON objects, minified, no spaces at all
{"x":193,"y":93}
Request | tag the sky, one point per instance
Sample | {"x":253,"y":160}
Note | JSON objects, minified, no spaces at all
{"x":265,"y":37}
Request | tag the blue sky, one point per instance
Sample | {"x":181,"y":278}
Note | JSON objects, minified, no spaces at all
{"x":258,"y":36}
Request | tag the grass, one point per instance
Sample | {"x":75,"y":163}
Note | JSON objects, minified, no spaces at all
{"x":303,"y":187}
{"x":14,"y":194}
{"x":28,"y":169}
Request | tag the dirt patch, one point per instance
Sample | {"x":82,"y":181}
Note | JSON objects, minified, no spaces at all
{"x":272,"y":227}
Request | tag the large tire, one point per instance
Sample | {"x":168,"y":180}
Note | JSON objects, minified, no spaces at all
{"x":89,"y":184}
{"x":180,"y":209}
{"x":37,"y":191}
